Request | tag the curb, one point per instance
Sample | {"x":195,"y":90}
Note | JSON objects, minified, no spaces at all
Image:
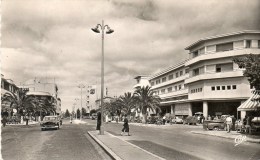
{"x":106,"y":149}
{"x":248,"y":140}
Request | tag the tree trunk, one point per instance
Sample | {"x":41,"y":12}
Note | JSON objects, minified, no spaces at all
{"x":144,"y":118}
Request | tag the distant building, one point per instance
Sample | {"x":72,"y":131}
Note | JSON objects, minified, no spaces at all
{"x":43,"y":86}
{"x":7,"y":85}
{"x":142,"y":81}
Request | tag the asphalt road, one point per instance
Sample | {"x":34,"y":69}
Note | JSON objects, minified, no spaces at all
{"x":177,"y":142}
{"x":71,"y":142}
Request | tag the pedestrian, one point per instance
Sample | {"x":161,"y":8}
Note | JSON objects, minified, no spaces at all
{"x":229,"y":123}
{"x":164,"y":119}
{"x":98,"y":121}
{"x":70,"y":119}
{"x":4,"y":120}
{"x":126,"y":126}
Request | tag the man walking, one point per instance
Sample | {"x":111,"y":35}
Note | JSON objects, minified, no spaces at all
{"x":229,"y":123}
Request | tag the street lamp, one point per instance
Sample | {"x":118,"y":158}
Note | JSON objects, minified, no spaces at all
{"x":76,"y":108}
{"x":109,"y":31}
{"x":81,"y":86}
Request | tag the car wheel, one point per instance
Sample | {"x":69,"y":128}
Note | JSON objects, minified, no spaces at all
{"x":42,"y":129}
{"x":216,"y":128}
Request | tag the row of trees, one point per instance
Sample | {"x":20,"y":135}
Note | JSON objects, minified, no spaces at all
{"x":27,"y":105}
{"x":141,"y":100}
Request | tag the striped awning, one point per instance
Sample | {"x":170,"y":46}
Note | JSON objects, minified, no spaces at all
{"x":252,"y":104}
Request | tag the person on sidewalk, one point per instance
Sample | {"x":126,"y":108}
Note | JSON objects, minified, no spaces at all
{"x":4,"y":120}
{"x":164,"y":119}
{"x":98,"y":121}
{"x":126,"y":126}
{"x":229,"y":123}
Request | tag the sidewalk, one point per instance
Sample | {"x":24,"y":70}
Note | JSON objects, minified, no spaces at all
{"x":120,"y":149}
{"x":232,"y":135}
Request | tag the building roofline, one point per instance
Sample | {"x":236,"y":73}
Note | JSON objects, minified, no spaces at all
{"x":168,"y":69}
{"x":221,"y":36}
{"x":141,"y":76}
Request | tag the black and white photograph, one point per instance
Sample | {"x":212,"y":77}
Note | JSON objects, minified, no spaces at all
{"x":130,"y":79}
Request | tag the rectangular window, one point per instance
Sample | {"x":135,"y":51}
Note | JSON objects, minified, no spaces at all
{"x":152,"y":83}
{"x":164,"y":79}
{"x":170,"y":76}
{"x":195,"y":54}
{"x":228,"y":87}
{"x":177,"y":74}
{"x":223,"y":87}
{"x":179,"y":87}
{"x":163,"y":91}
{"x":224,"y":47}
{"x":234,"y":86}
{"x":186,"y":71}
{"x":218,"y":68}
{"x":196,"y":72}
{"x":169,"y":89}
{"x":213,"y":88}
{"x":158,"y":81}
{"x":181,"y":73}
{"x":248,"y":43}
{"x":218,"y":87}
{"x":258,"y":43}
{"x":176,"y":88}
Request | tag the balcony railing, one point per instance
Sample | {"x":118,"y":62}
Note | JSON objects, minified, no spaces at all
{"x":215,"y":75}
{"x":174,"y":93}
{"x":215,"y":55}
{"x":172,"y":81}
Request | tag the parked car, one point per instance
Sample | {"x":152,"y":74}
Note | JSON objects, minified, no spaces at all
{"x":51,"y":122}
{"x":216,"y":124}
{"x":94,"y":116}
{"x":190,"y":120}
{"x":177,"y":120}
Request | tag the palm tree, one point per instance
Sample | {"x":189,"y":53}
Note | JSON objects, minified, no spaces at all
{"x":20,"y":101}
{"x":127,"y":102}
{"x":146,"y":100}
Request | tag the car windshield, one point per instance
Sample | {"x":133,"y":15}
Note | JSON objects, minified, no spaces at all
{"x":50,"y":118}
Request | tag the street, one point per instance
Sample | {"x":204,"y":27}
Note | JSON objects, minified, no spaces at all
{"x":72,"y":142}
{"x":176,"y":142}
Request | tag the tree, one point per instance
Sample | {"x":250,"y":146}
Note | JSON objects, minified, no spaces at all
{"x":78,"y":113}
{"x":20,"y":101}
{"x":67,"y":113}
{"x":127,"y":102}
{"x":84,"y":111}
{"x":146,"y":100}
{"x":251,"y":64}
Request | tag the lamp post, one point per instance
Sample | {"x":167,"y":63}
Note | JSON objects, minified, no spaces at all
{"x":109,"y":31}
{"x":76,"y":108}
{"x":81,"y":86}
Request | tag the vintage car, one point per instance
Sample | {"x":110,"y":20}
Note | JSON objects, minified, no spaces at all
{"x":51,"y":122}
{"x":177,"y":120}
{"x":216,"y":124}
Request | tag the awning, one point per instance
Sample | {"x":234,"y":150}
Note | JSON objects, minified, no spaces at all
{"x":251,"y":104}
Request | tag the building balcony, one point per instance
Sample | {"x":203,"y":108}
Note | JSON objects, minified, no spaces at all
{"x":172,"y":81}
{"x":224,"y":54}
{"x":174,"y":94}
{"x":205,"y":76}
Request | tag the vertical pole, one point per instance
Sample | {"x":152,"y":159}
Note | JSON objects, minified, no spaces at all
{"x":81,"y":104}
{"x":102,"y":79}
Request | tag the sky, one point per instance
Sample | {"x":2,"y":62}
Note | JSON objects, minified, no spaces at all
{"x":54,"y":39}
